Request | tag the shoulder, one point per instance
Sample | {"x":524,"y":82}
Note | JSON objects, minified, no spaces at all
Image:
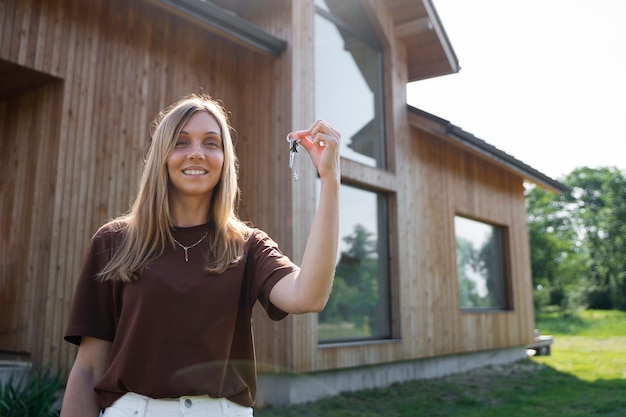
{"x":115,"y":227}
{"x":260,"y":242}
{"x":110,"y":233}
{"x":256,"y":236}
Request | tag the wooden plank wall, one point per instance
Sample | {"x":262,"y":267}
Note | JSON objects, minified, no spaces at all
{"x":120,"y":62}
{"x":442,"y":181}
{"x":277,"y":204}
{"x":451,"y":181}
{"x":290,"y":345}
{"x":28,"y":126}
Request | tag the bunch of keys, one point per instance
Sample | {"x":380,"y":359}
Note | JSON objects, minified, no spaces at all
{"x":293,"y":153}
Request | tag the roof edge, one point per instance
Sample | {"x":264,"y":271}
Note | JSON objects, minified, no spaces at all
{"x":446,"y":45}
{"x":443,"y":128}
{"x":226,"y":23}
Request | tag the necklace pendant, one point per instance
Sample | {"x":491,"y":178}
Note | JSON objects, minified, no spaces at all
{"x":186,"y":248}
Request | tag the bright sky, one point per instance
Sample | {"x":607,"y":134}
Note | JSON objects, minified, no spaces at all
{"x":542,"y":80}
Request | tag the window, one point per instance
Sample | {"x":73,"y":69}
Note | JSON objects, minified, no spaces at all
{"x":349,"y":79}
{"x":481,"y":264}
{"x":358,"y":307}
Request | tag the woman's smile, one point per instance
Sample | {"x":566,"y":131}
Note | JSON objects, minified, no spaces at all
{"x":195,"y":172}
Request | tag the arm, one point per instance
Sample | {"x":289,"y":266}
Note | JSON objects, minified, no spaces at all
{"x":88,"y":368}
{"x":308,"y":290}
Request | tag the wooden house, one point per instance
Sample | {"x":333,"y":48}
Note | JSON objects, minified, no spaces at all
{"x":80,"y":82}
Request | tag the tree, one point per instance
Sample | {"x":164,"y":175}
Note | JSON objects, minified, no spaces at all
{"x":554,"y":245}
{"x":578,"y":238}
{"x":355,"y":289}
{"x":599,"y":198}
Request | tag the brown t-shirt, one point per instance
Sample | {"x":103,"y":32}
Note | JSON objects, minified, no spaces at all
{"x":177,"y":330}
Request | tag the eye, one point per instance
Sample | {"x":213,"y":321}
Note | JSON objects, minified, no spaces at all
{"x":180,"y":142}
{"x":213,"y":143}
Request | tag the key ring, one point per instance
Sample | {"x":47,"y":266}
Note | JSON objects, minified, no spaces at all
{"x":293,"y":153}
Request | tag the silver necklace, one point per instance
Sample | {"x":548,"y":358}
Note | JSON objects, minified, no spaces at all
{"x":186,"y":248}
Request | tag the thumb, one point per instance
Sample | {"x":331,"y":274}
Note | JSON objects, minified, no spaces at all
{"x":302,"y":136}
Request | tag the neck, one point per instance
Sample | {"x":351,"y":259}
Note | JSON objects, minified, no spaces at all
{"x":189,"y":213}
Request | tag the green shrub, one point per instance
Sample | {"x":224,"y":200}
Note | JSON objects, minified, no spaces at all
{"x":34,"y":395}
{"x":600,"y":298}
{"x":541,"y":298}
{"x":557,"y":296}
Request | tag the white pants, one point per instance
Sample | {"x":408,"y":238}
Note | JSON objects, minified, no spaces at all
{"x":135,"y":405}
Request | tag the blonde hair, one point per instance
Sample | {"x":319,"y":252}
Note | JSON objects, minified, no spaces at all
{"x":149,"y":222}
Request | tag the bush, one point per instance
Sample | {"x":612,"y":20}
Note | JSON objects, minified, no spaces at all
{"x":31,"y":396}
{"x":599,"y":299}
{"x":577,"y":298}
{"x":557,"y":296}
{"x":541,"y":298}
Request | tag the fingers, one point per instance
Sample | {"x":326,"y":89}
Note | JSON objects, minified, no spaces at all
{"x":321,"y":141}
{"x":324,"y":134}
{"x":319,"y":134}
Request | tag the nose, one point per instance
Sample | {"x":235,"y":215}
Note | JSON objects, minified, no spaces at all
{"x":195,"y":151}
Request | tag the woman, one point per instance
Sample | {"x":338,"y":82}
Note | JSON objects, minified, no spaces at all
{"x":162,"y":310}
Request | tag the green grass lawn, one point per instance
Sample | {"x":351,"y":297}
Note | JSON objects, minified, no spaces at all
{"x":585,"y":376}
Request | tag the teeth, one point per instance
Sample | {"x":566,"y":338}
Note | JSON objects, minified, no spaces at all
{"x":194,"y":172}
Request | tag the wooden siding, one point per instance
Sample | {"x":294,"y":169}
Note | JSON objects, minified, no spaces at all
{"x":29,"y":129}
{"x":430,"y":181}
{"x":72,"y":146}
{"x":78,"y":145}
{"x":438,"y":180}
{"x":450,"y":181}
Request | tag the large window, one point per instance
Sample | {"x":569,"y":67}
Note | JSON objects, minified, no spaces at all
{"x":349,"y":79}
{"x":481,"y":264}
{"x":349,"y":95}
{"x":358,"y":307}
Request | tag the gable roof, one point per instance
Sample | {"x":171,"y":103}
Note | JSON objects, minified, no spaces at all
{"x":429,"y":52}
{"x":417,"y":25}
{"x":446,"y":130}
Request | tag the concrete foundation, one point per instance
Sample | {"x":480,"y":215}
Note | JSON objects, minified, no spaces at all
{"x":283,"y":389}
{"x":11,"y":370}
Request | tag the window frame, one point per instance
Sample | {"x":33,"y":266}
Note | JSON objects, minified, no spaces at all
{"x":384,"y":267}
{"x":506,"y":279}
{"x":375,"y":43}
{"x":380,"y":180}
